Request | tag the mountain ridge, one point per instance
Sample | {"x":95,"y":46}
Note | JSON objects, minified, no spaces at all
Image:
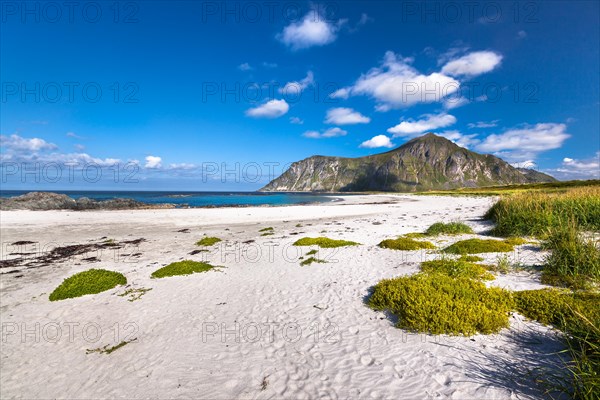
{"x":428,"y":162}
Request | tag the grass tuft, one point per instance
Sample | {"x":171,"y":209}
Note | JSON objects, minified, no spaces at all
{"x":404,"y":243}
{"x":87,"y":282}
{"x":134,"y":294}
{"x":574,"y":260}
{"x":185,"y":267}
{"x":311,"y":260}
{"x":471,"y":246}
{"x":323,"y":242}
{"x":452,"y":228}
{"x":208,"y":241}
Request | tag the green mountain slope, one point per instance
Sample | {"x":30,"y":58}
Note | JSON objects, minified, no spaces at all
{"x":426,"y":162}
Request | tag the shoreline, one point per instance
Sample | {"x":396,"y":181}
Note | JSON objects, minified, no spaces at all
{"x":47,"y":201}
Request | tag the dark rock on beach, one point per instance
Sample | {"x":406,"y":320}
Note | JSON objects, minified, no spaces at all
{"x":55,"y":201}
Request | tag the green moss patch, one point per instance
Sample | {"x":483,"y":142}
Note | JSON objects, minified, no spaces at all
{"x":451,"y":228}
{"x":440,"y":304}
{"x":87,"y":282}
{"x":324,"y":242}
{"x":470,"y":258}
{"x":471,"y":246}
{"x":185,"y":267}
{"x":456,"y":269}
{"x":404,"y":243}
{"x":559,"y":307}
{"x":268,"y":229}
{"x":414,"y":235}
{"x":208,"y":241}
{"x":312,"y":252}
{"x":515,"y":241}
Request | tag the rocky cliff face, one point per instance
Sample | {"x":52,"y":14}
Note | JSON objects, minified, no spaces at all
{"x":425,"y":163}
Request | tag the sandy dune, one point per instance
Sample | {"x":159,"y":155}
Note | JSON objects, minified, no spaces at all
{"x":260,"y":327}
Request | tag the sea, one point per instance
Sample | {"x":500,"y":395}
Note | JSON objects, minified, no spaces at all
{"x":197,"y":199}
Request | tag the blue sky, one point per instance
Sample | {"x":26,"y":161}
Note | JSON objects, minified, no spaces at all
{"x":221,"y":95}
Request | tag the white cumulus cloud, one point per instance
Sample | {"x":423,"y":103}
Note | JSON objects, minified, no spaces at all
{"x":483,"y":124}
{"x":472,"y":64}
{"x":270,"y":109}
{"x":427,"y":122}
{"x":19,"y":144}
{"x":153,"y":162}
{"x":342,"y":93}
{"x":591,"y":165}
{"x":571,"y":168}
{"x":296,"y":87}
{"x":312,"y":30}
{"x":329,"y":133}
{"x":536,"y":138}
{"x":377,"y":141}
{"x":396,"y":83}
{"x":526,"y":142}
{"x":345,"y":116}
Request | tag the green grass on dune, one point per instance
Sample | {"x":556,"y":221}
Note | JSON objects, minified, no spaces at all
{"x":472,"y":246}
{"x":456,"y":269}
{"x":404,"y":243}
{"x":87,"y":282}
{"x":574,"y":260}
{"x":208,"y":241}
{"x":185,"y":267}
{"x":534,"y":214}
{"x":451,"y":228}
{"x":323,"y":242}
{"x":508,"y":190}
{"x":566,"y":219}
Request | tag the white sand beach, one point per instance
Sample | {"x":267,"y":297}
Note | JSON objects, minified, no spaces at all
{"x":260,"y":327}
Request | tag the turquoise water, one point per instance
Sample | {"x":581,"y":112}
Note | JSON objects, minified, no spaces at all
{"x":198,"y":199}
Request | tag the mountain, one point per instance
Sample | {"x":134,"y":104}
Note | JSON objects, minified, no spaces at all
{"x":428,"y":162}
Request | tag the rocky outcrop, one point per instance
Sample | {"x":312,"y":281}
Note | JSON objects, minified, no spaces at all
{"x":426,"y":163}
{"x":55,"y":201}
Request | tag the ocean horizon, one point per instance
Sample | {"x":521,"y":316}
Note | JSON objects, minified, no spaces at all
{"x":192,"y":198}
